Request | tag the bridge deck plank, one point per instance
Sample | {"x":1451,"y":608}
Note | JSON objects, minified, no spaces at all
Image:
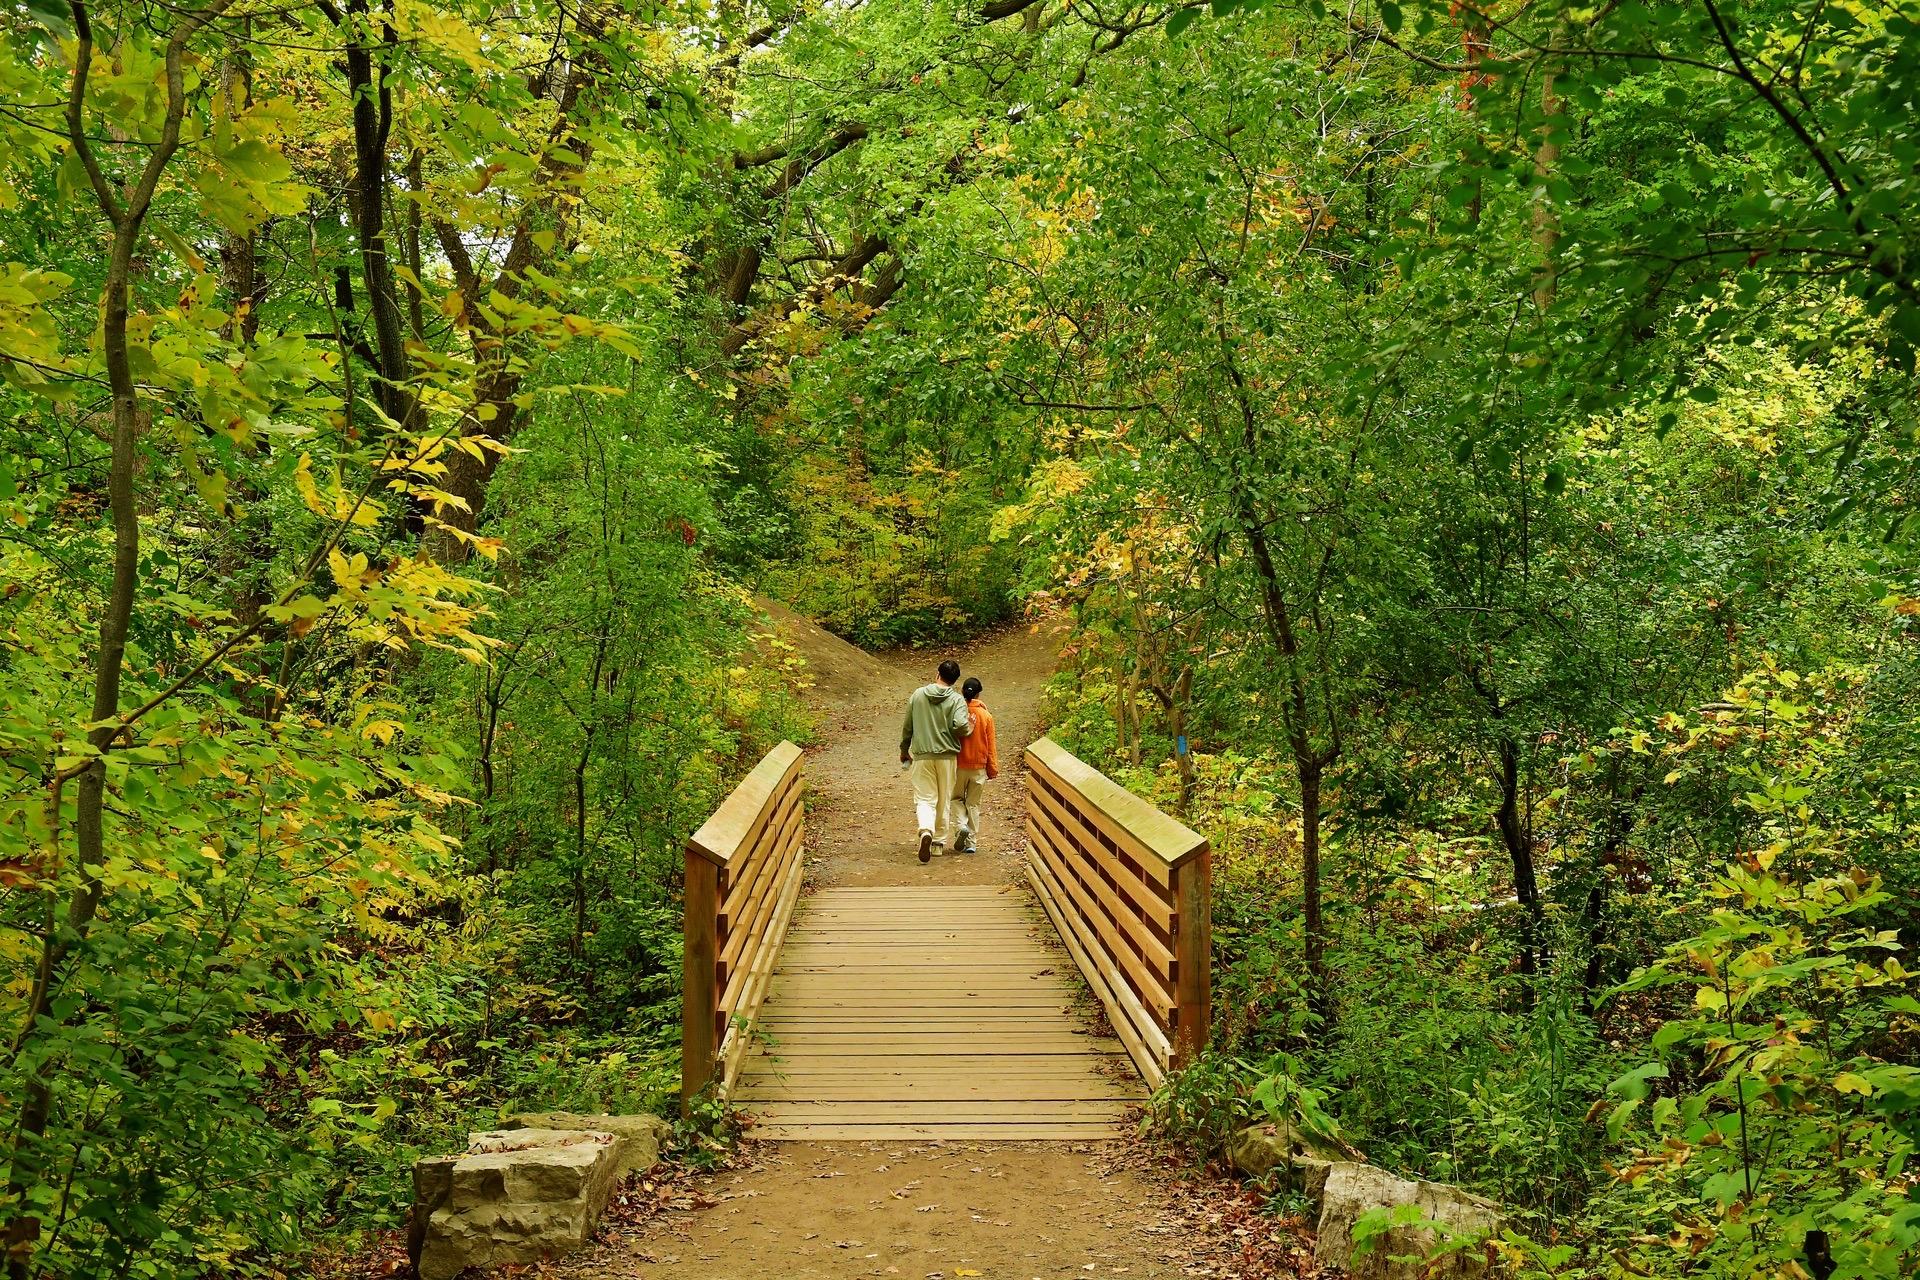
{"x":928,"y":1013}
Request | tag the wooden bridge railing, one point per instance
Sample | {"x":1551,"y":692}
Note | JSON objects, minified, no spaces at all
{"x":743,"y":877}
{"x":1130,"y":890}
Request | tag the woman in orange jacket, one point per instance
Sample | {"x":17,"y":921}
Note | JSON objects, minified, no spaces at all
{"x":979,"y":760}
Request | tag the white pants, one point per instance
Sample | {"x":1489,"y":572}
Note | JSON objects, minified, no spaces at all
{"x":968,"y":784}
{"x":932,"y":778}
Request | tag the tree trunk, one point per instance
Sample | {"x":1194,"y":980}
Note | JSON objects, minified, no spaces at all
{"x":1594,"y":917}
{"x":372,"y":122}
{"x":1310,"y":775}
{"x":126,"y":210}
{"x":238,"y":278}
{"x":1132,"y":705}
{"x":416,"y":319}
{"x":1182,"y":750}
{"x":1546,"y":224}
{"x":1519,"y":843}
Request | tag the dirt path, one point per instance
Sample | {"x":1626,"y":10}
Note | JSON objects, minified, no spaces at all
{"x":862,"y":810}
{"x":923,"y":1209}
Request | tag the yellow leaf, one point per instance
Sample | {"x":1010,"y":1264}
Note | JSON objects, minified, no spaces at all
{"x":309,"y":491}
{"x":1847,"y":1082}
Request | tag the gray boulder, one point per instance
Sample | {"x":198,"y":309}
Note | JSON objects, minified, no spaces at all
{"x":1301,"y":1160}
{"x":1259,"y":1149}
{"x":645,"y":1134}
{"x":516,"y":1196}
{"x":1352,"y":1189}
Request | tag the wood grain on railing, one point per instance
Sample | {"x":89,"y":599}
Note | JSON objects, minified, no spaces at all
{"x":1130,"y":891}
{"x":744,"y":869}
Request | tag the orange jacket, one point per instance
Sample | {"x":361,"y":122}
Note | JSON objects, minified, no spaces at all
{"x":977,"y":749}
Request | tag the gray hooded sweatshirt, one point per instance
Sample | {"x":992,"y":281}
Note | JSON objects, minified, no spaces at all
{"x":936,"y":721}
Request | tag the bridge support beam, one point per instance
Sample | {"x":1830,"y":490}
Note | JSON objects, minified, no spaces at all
{"x":1193,"y":954}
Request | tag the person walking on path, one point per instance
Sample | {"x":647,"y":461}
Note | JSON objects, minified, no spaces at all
{"x":930,"y":737}
{"x":979,"y":761}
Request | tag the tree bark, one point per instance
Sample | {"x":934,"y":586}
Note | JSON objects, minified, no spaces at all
{"x":238,"y":277}
{"x":1310,"y":777}
{"x":495,"y":415}
{"x":416,"y":319}
{"x":1519,"y":843}
{"x":1546,"y":224}
{"x":1310,"y":761}
{"x":372,"y":123}
{"x":128,"y":220}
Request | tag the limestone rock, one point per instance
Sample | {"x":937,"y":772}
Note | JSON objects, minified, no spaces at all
{"x":1352,"y":1189}
{"x":1259,"y":1149}
{"x":516,"y":1196}
{"x":1309,"y":1177}
{"x":1301,"y":1159}
{"x":645,"y":1134}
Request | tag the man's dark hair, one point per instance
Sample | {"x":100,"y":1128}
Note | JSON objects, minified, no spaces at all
{"x":949,"y":671}
{"x":971,"y":689}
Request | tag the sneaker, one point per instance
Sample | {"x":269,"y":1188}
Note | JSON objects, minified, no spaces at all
{"x":926,"y":846}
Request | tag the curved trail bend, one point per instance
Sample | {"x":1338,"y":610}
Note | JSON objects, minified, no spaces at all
{"x":909,"y":1207}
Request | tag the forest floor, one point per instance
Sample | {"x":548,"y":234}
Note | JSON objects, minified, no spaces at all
{"x":931,"y":1209}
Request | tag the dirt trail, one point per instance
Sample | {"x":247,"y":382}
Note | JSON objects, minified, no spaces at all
{"x":862,"y":810}
{"x":921,"y":1209}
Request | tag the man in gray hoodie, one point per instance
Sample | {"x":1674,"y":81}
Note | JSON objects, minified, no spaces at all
{"x":930,"y":741}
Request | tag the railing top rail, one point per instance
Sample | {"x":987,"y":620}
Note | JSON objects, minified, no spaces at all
{"x":720,"y":836}
{"x":1171,"y":840}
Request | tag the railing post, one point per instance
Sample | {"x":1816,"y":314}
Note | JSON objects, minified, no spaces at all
{"x":697,"y":1032}
{"x":1193,"y":952}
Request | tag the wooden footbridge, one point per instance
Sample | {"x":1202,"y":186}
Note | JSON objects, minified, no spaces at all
{"x":946,"y":1012}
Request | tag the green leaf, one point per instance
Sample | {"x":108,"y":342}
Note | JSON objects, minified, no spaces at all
{"x":1390,"y":16}
{"x":54,"y":16}
{"x":1634,"y":1084}
{"x":255,"y":161}
{"x":1180,"y":21}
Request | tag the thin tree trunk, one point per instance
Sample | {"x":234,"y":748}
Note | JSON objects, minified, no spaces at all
{"x":1546,"y":224}
{"x":1310,"y":775}
{"x":1519,"y":843}
{"x":580,"y":848}
{"x":1132,"y":705}
{"x":416,"y":319}
{"x":129,"y":227}
{"x":372,"y":122}
{"x":237,"y":273}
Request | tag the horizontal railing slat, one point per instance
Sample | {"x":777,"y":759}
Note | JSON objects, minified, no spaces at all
{"x":1157,"y":839}
{"x":1128,"y":888}
{"x":1130,"y":1022}
{"x":1148,"y":991}
{"x":720,"y":835}
{"x":1153,"y":951}
{"x":744,"y":901}
{"x":743,"y":868}
{"x":762,"y":910}
{"x":1143,"y":896}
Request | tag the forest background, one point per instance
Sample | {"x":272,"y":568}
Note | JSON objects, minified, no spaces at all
{"x":1473,"y":445}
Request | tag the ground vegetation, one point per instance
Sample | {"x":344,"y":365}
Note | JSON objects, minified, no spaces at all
{"x":1473,"y":446}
